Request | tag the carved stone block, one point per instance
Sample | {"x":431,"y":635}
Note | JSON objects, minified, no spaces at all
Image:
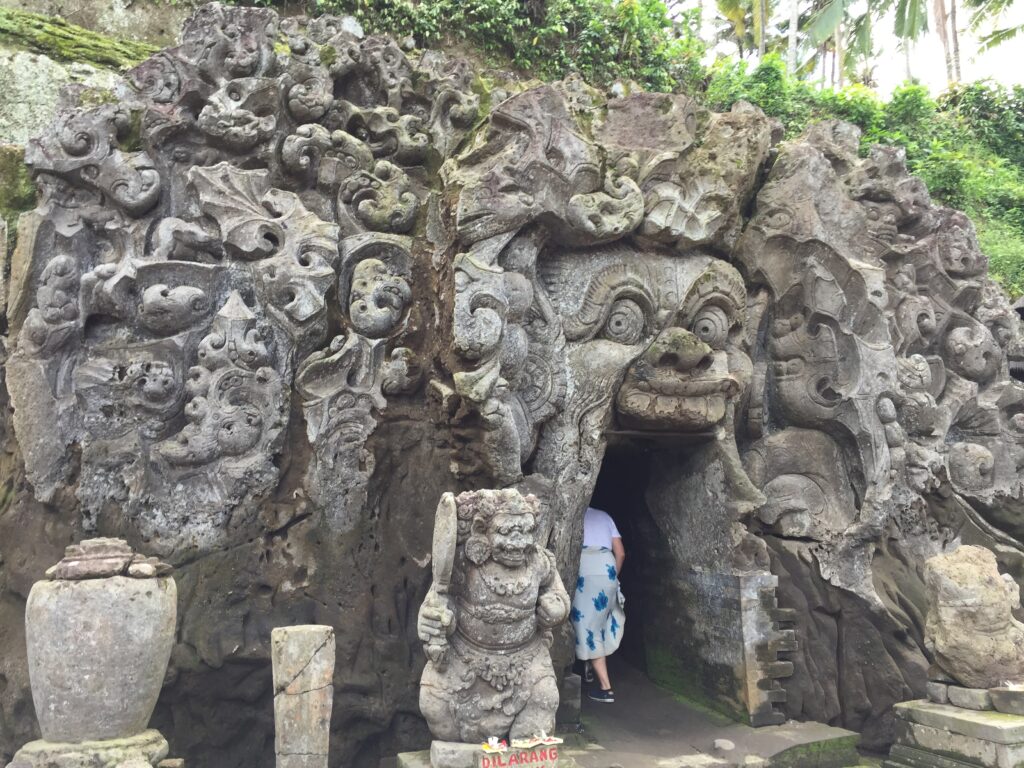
{"x":303,"y":658}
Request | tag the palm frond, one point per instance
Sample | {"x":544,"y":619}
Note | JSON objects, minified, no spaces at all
{"x":826,"y":21}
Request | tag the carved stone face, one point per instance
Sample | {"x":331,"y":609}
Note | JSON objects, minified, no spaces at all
{"x":671,"y":326}
{"x":511,"y":538}
{"x":686,"y":377}
{"x":959,"y":253}
{"x":972,"y":352}
{"x":241,"y":114}
{"x":805,"y":370}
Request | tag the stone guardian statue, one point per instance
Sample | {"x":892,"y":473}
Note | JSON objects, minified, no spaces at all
{"x":486,"y":623}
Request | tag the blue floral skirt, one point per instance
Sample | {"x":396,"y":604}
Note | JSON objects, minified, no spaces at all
{"x":597,"y":615}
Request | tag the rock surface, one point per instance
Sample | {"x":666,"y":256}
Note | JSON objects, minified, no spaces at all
{"x":32,"y":84}
{"x":293,"y":284}
{"x":971,"y":628}
{"x":144,"y":749}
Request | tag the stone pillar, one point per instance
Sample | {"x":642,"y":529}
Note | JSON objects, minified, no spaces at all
{"x":303,"y":658}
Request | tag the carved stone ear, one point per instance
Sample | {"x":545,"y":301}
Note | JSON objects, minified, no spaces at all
{"x":606,"y":215}
{"x":478,"y":549}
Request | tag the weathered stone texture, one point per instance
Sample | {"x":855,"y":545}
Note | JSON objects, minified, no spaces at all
{"x":97,"y":652}
{"x":487,"y":622}
{"x":971,"y":629}
{"x":293,"y":284}
{"x":303,"y":659}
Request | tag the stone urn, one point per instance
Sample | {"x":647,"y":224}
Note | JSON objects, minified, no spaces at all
{"x":99,"y":636}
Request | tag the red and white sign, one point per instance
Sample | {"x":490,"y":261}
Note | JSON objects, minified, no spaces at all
{"x":535,"y":757}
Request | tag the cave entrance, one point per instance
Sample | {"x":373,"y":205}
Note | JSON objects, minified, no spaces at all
{"x":621,"y":492}
{"x":696,"y":624}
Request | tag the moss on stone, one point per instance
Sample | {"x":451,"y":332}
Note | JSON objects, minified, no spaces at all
{"x":58,"y":39}
{"x":17,"y":192}
{"x":328,"y":55}
{"x":830,"y":753}
{"x":131,"y":140}
{"x":96,"y":97}
{"x":669,"y":671}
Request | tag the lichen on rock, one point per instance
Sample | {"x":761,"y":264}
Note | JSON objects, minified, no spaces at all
{"x":59,"y":39}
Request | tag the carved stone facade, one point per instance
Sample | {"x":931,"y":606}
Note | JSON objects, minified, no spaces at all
{"x":296,"y":283}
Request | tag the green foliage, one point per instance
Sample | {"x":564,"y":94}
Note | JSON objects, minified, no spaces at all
{"x":968,"y":146}
{"x":17,"y":193}
{"x":994,"y":114}
{"x":603,"y":40}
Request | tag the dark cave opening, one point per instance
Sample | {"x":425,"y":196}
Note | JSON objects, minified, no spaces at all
{"x":621,"y":492}
{"x":685,"y":629}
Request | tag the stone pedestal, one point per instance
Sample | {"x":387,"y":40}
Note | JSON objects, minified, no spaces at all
{"x":147,"y":748}
{"x":303,"y":659}
{"x":450,"y":754}
{"x":931,"y":735}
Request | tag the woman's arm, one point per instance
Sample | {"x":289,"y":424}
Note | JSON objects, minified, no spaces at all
{"x":620,"y":553}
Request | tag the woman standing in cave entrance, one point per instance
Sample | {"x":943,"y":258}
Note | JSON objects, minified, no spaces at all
{"x":597,"y":614}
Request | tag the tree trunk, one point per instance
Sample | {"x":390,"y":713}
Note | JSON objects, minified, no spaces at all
{"x":906,"y":57}
{"x":762,"y":12}
{"x":941,"y":25}
{"x":840,"y":53}
{"x":794,"y":23}
{"x":956,"y":39}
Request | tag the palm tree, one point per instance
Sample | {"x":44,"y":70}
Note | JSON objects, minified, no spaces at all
{"x":983,"y":11}
{"x":738,"y":15}
{"x":793,"y":37}
{"x":956,"y":39}
{"x":761,"y":15}
{"x":848,"y":37}
{"x":941,"y":26}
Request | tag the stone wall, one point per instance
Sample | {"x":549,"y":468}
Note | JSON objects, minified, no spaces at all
{"x":292,"y":283}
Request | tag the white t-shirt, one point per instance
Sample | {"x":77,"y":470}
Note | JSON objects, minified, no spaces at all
{"x":599,"y":529}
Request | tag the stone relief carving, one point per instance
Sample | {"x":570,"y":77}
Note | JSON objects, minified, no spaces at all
{"x":487,"y":621}
{"x":297,"y":282}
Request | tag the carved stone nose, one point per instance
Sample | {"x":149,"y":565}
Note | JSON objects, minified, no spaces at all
{"x":680,"y":350}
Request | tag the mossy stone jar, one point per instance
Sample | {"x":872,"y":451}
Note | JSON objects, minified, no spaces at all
{"x":99,"y":635}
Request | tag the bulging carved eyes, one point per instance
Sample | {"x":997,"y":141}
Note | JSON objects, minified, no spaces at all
{"x":625,"y":323}
{"x":711,"y":325}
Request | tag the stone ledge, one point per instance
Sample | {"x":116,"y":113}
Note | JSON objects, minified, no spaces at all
{"x":990,"y":726}
{"x":909,"y":757}
{"x":972,"y":750}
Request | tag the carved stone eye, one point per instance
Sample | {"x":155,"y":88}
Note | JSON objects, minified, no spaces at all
{"x":778,"y":219}
{"x":625,"y":323}
{"x":711,"y":325}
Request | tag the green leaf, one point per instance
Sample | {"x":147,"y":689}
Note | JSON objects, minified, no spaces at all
{"x":825,"y":22}
{"x":911,"y":19}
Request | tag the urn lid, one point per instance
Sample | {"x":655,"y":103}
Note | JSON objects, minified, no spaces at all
{"x":101,"y":558}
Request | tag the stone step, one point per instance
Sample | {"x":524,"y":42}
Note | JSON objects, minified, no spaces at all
{"x":909,"y":757}
{"x":988,"y":726}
